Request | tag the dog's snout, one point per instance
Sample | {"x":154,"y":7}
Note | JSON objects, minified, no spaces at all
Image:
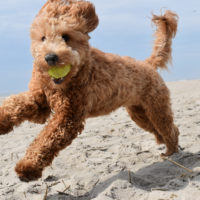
{"x":51,"y":59}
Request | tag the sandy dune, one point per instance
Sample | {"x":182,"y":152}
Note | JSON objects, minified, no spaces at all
{"x":112,"y":159}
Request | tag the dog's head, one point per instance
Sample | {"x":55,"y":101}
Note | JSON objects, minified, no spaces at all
{"x":59,"y":35}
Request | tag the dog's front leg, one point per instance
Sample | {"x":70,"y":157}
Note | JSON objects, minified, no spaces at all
{"x":59,"y":133}
{"x":30,"y":106}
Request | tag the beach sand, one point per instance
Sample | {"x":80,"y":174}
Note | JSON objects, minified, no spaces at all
{"x":112,"y":159}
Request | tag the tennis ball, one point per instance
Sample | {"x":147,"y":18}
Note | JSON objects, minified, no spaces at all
{"x":59,"y":72}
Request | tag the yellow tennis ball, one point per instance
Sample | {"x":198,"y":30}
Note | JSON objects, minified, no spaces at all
{"x":59,"y":72}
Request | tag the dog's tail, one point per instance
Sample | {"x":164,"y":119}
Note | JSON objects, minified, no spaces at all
{"x":166,"y":30}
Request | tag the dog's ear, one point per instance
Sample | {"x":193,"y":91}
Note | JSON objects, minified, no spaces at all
{"x":85,"y":12}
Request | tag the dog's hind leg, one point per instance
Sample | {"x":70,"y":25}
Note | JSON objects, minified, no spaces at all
{"x":158,"y":111}
{"x":138,"y":115}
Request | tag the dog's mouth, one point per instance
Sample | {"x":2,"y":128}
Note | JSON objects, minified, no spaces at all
{"x":58,"y":80}
{"x":58,"y":74}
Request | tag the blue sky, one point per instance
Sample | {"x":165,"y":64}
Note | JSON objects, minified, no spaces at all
{"x":125,"y":28}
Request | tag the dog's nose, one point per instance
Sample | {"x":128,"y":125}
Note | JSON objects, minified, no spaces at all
{"x":51,"y":59}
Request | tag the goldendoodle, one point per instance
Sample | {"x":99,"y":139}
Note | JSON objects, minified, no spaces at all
{"x":72,"y":81}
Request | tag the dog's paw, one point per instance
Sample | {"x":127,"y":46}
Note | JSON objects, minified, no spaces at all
{"x":170,"y":152}
{"x":27,"y":171}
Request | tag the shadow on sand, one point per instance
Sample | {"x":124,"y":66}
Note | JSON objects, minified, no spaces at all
{"x":164,"y":175}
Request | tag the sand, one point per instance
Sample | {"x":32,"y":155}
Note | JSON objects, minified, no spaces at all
{"x":112,"y":159}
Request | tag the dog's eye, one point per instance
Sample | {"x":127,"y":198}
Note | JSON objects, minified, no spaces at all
{"x":43,"y":38}
{"x":66,"y":38}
